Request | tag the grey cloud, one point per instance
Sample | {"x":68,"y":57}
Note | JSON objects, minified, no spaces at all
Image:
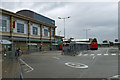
{"x":47,"y":6}
{"x":97,"y":15}
{"x":100,"y":17}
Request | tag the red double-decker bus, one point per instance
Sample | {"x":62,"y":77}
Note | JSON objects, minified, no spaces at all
{"x":94,"y":44}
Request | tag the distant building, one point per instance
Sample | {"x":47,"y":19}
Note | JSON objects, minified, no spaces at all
{"x":58,"y":39}
{"x":81,"y":40}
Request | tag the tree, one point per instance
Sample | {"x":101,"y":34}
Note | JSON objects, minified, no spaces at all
{"x":94,"y":40}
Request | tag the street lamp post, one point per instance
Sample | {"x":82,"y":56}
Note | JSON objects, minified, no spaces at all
{"x":87,"y":33}
{"x":87,"y":36}
{"x":59,"y":33}
{"x":64,"y":22}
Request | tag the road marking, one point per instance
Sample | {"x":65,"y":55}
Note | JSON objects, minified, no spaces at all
{"x":93,"y":57}
{"x":85,"y":54}
{"x":56,"y":57}
{"x":27,"y":65}
{"x":116,"y":76}
{"x":76,"y":65}
{"x":107,"y":51}
{"x":99,"y":54}
{"x":105,"y":54}
{"x":113,"y":54}
{"x":80,"y":54}
{"x":92,"y":54}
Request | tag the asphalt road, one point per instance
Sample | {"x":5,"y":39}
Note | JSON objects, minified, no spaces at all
{"x":101,"y":63}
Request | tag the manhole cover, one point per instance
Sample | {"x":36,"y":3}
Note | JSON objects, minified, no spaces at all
{"x":76,"y":65}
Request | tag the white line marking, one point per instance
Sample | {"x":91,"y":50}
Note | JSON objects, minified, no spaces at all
{"x":105,"y":54}
{"x":56,"y":57}
{"x":99,"y":54}
{"x":27,"y":66}
{"x":93,"y":57}
{"x":85,"y":54}
{"x":116,"y":76}
{"x":80,"y":54}
{"x":92,"y":54}
{"x":107,"y":51}
{"x":113,"y":54}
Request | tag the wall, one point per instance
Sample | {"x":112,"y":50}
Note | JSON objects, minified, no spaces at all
{"x":44,"y":19}
{"x":21,"y":45}
{"x":36,"y":16}
{"x":46,"y":46}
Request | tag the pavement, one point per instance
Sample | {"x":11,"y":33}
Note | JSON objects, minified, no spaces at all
{"x":10,"y":68}
{"x":102,"y":63}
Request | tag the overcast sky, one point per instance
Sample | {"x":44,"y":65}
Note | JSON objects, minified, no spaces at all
{"x":100,"y":17}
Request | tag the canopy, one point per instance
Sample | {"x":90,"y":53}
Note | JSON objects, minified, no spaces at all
{"x":5,"y":42}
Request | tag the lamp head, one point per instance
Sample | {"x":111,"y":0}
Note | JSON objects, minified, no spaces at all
{"x":59,"y":17}
{"x":69,"y":16}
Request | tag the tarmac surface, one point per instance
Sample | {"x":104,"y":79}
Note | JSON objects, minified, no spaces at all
{"x":102,"y":63}
{"x":9,"y":68}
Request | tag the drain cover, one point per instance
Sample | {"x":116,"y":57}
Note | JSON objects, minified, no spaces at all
{"x":76,"y":65}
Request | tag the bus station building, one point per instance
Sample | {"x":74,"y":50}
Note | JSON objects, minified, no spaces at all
{"x":27,"y":30}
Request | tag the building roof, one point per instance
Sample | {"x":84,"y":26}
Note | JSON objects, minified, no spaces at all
{"x":80,"y":40}
{"x":24,"y":17}
{"x":59,"y":36}
{"x":36,"y":16}
{"x":116,"y":42}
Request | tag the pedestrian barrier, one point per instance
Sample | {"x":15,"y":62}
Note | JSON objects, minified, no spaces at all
{"x":74,"y":48}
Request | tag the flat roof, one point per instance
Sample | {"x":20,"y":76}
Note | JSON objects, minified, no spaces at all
{"x":80,"y":40}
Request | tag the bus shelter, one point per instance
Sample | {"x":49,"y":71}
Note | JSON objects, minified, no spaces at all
{"x":7,"y":49}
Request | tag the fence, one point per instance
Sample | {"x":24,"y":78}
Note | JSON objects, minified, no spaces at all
{"x":74,"y":48}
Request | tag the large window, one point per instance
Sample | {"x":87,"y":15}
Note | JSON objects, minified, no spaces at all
{"x":3,"y":25}
{"x":46,"y":32}
{"x":35,"y":31}
{"x":52,"y":34}
{"x":20,"y":28}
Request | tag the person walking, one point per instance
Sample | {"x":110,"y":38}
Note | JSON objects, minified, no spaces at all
{"x":17,"y":53}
